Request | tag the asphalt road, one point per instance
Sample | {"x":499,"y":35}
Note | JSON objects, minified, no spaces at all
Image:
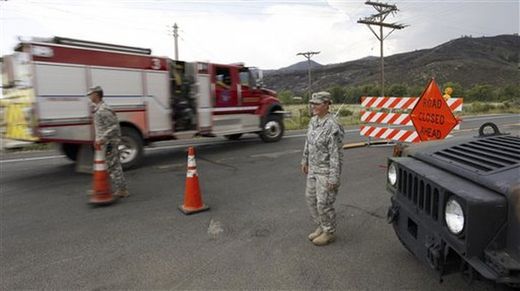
{"x":253,"y":237}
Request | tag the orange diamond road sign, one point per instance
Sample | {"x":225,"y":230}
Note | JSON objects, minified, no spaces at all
{"x":431,"y":116}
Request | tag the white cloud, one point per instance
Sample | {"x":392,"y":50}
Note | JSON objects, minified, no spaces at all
{"x":262,"y":33}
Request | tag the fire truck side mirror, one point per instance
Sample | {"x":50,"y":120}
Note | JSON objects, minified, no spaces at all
{"x":258,"y":76}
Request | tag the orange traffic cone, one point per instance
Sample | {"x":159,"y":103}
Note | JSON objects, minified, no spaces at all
{"x":192,"y":198}
{"x":101,"y":190}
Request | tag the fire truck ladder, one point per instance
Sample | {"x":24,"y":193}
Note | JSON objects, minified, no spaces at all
{"x":100,"y":45}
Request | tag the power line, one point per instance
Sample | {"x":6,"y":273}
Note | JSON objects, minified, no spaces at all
{"x":308,"y":55}
{"x":175,"y":34}
{"x":378,"y":19}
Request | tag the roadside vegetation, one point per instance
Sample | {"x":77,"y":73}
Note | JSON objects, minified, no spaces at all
{"x":348,"y":114}
{"x":352,"y":94}
{"x":479,"y":99}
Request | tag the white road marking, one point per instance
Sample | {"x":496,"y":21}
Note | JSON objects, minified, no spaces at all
{"x":275,"y":154}
{"x":215,"y":228}
{"x":31,"y":159}
{"x":304,"y":134}
{"x":489,"y":117}
{"x":151,"y":149}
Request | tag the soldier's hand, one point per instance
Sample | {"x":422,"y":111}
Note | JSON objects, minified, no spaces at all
{"x":305,"y":169}
{"x":99,"y":142}
{"x":331,"y":186}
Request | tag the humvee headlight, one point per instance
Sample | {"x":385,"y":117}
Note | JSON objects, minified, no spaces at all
{"x":454,"y":216}
{"x":392,"y":174}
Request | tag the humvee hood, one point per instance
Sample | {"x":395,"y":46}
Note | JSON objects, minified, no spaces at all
{"x":492,"y":161}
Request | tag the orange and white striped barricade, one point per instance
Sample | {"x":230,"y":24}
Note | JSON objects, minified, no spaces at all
{"x":376,"y":111}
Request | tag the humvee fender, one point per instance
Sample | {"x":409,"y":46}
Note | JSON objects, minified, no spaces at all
{"x":456,"y":204}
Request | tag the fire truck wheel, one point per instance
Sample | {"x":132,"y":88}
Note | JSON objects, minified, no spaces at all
{"x":233,"y":136}
{"x":70,"y":150}
{"x":130,"y":148}
{"x":273,"y":128}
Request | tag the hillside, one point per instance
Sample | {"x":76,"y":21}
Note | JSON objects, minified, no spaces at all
{"x":300,"y":66}
{"x":467,"y":61}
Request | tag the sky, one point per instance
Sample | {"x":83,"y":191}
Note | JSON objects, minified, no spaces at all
{"x":267,"y":34}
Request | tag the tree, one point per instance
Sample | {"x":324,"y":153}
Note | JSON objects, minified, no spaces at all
{"x":415,"y":91}
{"x":398,"y":90}
{"x":370,"y":90}
{"x":509,"y":92}
{"x":286,"y":96}
{"x":480,"y":92}
{"x":306,"y":96}
{"x":458,"y":91}
{"x":337,"y":93}
{"x":353,"y":94}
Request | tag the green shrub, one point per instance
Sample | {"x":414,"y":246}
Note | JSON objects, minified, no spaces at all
{"x":304,"y":111}
{"x":343,"y":112}
{"x":478,"y":107}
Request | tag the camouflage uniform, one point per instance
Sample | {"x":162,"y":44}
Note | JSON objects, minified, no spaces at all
{"x":107,"y":130}
{"x":323,"y":156}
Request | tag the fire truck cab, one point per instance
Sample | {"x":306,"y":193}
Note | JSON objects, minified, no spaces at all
{"x":155,"y":98}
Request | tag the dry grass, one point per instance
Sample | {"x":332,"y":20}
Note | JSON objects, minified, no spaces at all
{"x":300,"y":113}
{"x":300,"y":117}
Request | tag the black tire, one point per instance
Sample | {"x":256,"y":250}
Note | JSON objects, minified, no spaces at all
{"x":482,"y":130}
{"x":236,"y":136}
{"x":272,"y":128}
{"x":70,"y":150}
{"x":131,"y":148}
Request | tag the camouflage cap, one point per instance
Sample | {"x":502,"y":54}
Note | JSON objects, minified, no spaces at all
{"x":320,"y":97}
{"x":96,"y":89}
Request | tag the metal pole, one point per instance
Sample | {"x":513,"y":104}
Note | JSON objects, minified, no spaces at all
{"x":175,"y":35}
{"x":308,"y":55}
{"x":310,"y":80}
{"x":378,"y":19}
{"x":382,"y":63}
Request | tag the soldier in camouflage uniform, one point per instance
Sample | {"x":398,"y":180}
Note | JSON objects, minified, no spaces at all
{"x":108,"y":135}
{"x":321,"y":162}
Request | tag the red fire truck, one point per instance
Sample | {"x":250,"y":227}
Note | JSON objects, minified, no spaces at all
{"x":156,"y":98}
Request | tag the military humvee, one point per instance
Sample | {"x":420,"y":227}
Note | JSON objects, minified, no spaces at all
{"x":456,"y":204}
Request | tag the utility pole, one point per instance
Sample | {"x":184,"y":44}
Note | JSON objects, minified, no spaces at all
{"x":308,"y":55}
{"x":175,"y":36}
{"x":377,"y":19}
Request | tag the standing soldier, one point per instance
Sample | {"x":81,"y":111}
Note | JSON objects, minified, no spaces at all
{"x":108,"y":134}
{"x":321,"y":162}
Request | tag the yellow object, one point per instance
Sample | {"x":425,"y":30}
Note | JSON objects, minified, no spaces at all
{"x":18,"y":115}
{"x":447,"y":93}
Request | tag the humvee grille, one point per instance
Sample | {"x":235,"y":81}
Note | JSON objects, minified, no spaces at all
{"x":420,"y":192}
{"x":486,"y":155}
